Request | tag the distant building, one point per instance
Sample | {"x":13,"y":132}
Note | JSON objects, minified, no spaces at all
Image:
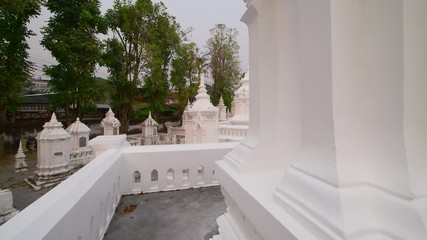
{"x":40,"y":85}
{"x":34,"y":106}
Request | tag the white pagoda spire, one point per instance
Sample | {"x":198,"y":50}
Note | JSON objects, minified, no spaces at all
{"x":20,"y":164}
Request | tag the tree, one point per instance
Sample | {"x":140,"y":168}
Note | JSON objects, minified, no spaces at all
{"x":70,"y":36}
{"x":223,"y":63}
{"x":15,"y":69}
{"x":164,"y":40}
{"x":145,"y":42}
{"x":185,"y":76}
{"x":124,"y":53}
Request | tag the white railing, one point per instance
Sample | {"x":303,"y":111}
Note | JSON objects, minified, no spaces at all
{"x":171,"y":167}
{"x":82,"y":206}
{"x":232,"y":133}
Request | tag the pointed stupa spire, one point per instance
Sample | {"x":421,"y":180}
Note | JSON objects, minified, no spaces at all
{"x":149,"y":121}
{"x":53,"y":118}
{"x":222,"y":110}
{"x":20,"y":152}
{"x":53,"y":130}
{"x":203,"y":101}
{"x":20,"y":164}
{"x":202,"y":92}
{"x":110,"y":113}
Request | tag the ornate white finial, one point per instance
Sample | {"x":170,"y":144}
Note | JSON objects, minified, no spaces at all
{"x":149,"y":114}
{"x":78,"y":119}
{"x":109,"y":113}
{"x":202,"y":92}
{"x":53,"y":118}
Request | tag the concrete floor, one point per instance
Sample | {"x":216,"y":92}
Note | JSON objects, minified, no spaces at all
{"x":23,"y":194}
{"x":179,"y":215}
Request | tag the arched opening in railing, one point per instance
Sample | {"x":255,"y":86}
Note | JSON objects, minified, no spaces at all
{"x":136,"y":177}
{"x":170,"y":178}
{"x":200,"y":175}
{"x":154,"y":175}
{"x":200,"y":172}
{"x":170,"y":175}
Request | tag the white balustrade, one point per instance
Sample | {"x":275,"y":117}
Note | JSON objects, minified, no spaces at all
{"x":171,"y":167}
{"x":82,"y":206}
{"x":232,"y":133}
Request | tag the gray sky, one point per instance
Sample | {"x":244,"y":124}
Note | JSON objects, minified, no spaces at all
{"x":201,"y":15}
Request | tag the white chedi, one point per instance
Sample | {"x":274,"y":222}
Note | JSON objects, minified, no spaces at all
{"x":200,"y":119}
{"x":222,"y":110}
{"x":79,"y":134}
{"x":80,"y":153}
{"x":241,"y":102}
{"x":53,"y":148}
{"x":236,"y":128}
{"x":53,"y":152}
{"x":20,"y":164}
{"x":110,"y":124}
{"x":7,"y":211}
{"x":149,"y":131}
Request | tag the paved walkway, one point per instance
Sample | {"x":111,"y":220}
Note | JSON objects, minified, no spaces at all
{"x":179,"y":215}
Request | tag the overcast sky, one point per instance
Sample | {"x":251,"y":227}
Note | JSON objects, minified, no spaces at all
{"x":201,"y":15}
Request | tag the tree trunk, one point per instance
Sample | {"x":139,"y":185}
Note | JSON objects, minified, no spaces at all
{"x":124,"y":118}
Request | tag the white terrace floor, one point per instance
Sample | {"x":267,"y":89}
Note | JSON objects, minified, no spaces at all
{"x":181,"y":215}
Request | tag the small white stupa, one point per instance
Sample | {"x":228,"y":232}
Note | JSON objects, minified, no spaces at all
{"x":79,"y":134}
{"x":222,"y":110}
{"x":241,"y":102}
{"x":110,"y":124}
{"x":80,"y":154}
{"x":236,"y":128}
{"x":20,"y":164}
{"x":7,"y":211}
{"x":53,"y":152}
{"x":149,"y":131}
{"x":200,"y":119}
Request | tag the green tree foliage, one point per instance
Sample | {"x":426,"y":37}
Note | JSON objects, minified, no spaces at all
{"x":124,"y":54}
{"x":162,"y":47}
{"x":70,"y":36}
{"x":145,"y":51}
{"x":223,"y":63}
{"x":185,"y":75}
{"x":15,"y":69}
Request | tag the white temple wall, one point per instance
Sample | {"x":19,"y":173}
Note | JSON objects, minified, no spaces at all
{"x":368,"y":84}
{"x":349,"y":80}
